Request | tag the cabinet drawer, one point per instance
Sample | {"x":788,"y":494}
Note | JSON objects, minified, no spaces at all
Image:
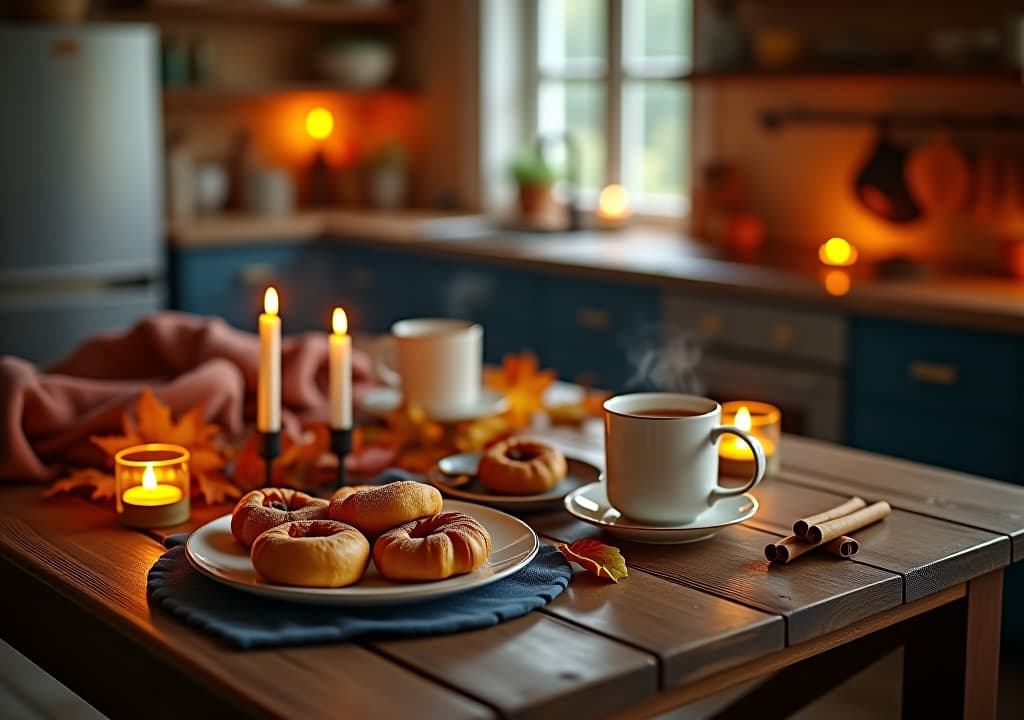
{"x":743,"y":326}
{"x":936,"y":368}
{"x":956,"y":442}
{"x":589,"y":329}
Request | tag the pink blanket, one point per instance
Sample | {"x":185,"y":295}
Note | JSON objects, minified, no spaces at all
{"x":50,"y":415}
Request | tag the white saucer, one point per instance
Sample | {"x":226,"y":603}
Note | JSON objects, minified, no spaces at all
{"x":590,"y":504}
{"x":380,"y":401}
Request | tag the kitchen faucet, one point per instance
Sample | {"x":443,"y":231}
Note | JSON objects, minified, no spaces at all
{"x":572,"y":174}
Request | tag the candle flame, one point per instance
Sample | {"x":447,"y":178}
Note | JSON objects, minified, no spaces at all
{"x":149,"y":478}
{"x":270,"y":301}
{"x":319,"y":123}
{"x":838,"y":252}
{"x":340,"y":321}
{"x":742,"y":418}
{"x":613,"y":201}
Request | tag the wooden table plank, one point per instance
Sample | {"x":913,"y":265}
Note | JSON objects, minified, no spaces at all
{"x":692,"y":633}
{"x":84,"y":554}
{"x":816,"y":595}
{"x":985,"y":504}
{"x":534,"y":666}
{"x":930,"y":554}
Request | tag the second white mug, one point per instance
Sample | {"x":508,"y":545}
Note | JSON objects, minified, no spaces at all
{"x":439,"y":361}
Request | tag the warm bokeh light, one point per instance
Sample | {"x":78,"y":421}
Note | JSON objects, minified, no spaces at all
{"x":837,"y":282}
{"x":613,"y":202}
{"x":742,"y":418}
{"x":838,"y":252}
{"x":340,"y":321}
{"x":270,"y":301}
{"x":149,"y":478}
{"x":319,"y":123}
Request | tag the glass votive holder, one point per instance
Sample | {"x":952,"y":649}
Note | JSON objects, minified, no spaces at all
{"x":151,"y":485}
{"x":764,"y":422}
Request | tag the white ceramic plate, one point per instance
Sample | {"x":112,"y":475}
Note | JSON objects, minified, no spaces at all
{"x":579,"y":473}
{"x":213,"y":551}
{"x":380,"y":401}
{"x":590,"y":504}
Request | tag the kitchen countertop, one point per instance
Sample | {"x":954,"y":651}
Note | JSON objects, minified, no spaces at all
{"x":649,"y":256}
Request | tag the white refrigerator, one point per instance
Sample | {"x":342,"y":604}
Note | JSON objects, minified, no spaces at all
{"x":81,"y":236}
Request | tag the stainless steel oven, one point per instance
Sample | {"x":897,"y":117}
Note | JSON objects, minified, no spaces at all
{"x":773,"y":352}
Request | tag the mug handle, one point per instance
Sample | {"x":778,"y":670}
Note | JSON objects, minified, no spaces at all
{"x":759,"y":461}
{"x":381,"y":348}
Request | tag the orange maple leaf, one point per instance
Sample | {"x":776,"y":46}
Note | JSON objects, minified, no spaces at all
{"x":522,"y":381}
{"x":102,"y":483}
{"x":597,"y":558}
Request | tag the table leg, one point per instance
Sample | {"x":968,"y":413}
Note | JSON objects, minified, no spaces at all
{"x":984,"y":614}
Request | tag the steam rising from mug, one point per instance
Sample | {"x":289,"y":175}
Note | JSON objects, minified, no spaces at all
{"x":662,"y":359}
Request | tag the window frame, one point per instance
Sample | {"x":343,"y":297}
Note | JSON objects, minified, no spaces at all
{"x":615,"y":75}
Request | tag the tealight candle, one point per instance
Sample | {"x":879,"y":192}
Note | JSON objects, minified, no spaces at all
{"x":612,"y":207}
{"x":340,"y":375}
{"x":268,"y":397}
{"x":764,"y":422}
{"x":151,"y":485}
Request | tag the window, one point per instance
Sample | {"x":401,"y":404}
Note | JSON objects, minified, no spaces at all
{"x":613,"y":73}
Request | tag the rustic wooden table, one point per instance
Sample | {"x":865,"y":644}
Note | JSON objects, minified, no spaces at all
{"x":689,"y":621}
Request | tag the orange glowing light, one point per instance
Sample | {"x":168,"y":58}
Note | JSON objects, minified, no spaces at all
{"x":837,"y":252}
{"x":319,"y":123}
{"x":742,"y":418}
{"x":270,"y":301}
{"x":149,"y":478}
{"x":613,"y":202}
{"x":339,"y":320}
{"x":837,"y":282}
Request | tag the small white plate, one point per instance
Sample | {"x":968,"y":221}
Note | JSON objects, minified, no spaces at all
{"x":213,"y":551}
{"x":579,"y":473}
{"x":380,"y":401}
{"x":590,"y":504}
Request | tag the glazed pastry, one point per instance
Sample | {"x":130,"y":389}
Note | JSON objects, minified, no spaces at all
{"x":521,"y":467}
{"x":386,"y":506}
{"x":346,"y":490}
{"x":260,"y":510}
{"x":432,"y":548}
{"x":311,"y":553}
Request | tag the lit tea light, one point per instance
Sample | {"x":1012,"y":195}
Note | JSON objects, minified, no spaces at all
{"x":763,"y":421}
{"x":319,"y":123}
{"x":613,"y":207}
{"x":837,"y":252}
{"x":152,"y":485}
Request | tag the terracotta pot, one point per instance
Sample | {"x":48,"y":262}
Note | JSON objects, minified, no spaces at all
{"x":54,"y":11}
{"x":535,"y":200}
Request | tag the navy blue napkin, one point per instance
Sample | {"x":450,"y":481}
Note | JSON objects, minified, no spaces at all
{"x":248,"y":621}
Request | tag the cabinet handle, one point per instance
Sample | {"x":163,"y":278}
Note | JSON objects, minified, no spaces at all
{"x":593,"y":318}
{"x":783,"y":336}
{"x":932,"y":373}
{"x":254,"y":274}
{"x":711,"y":324}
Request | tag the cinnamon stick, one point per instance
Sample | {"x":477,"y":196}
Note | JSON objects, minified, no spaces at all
{"x":801,"y":526}
{"x":792,"y":547}
{"x":825,"y":531}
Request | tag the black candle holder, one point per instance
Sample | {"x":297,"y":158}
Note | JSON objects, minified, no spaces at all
{"x":270,"y":448}
{"x":341,"y":446}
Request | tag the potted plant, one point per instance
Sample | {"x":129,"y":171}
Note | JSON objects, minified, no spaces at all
{"x":535,"y":179}
{"x":386,"y":176}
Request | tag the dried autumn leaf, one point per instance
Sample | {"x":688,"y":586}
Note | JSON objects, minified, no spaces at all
{"x":522,"y":381}
{"x":597,"y":558}
{"x":216,"y":488}
{"x":102,"y":484}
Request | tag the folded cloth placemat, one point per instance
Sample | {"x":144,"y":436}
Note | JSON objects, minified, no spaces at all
{"x":248,"y":621}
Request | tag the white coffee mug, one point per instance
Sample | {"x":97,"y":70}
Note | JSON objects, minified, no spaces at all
{"x":661,"y":456}
{"x":438,"y":361}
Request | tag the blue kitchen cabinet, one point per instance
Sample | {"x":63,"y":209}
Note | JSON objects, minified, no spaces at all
{"x":229,"y":282}
{"x":596,"y":331}
{"x":375,"y":288}
{"x":938,"y":395}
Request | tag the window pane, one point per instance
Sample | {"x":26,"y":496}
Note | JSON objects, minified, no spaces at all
{"x":658,"y":35}
{"x":572,"y":32}
{"x":656,"y":138}
{"x":579,"y":107}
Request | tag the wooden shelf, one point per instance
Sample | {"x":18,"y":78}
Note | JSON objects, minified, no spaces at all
{"x":311,"y":11}
{"x":191,"y":95}
{"x":1002,"y":76}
